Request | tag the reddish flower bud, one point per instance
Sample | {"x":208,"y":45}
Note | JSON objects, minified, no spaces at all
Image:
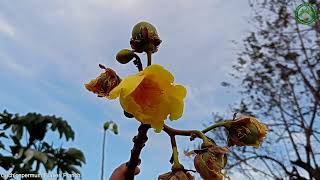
{"x":145,"y":38}
{"x":246,"y":131}
{"x":210,"y":161}
{"x":176,"y":175}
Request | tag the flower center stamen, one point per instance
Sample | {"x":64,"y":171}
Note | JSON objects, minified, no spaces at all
{"x":147,"y":94}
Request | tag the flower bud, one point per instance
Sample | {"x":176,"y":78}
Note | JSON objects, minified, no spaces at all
{"x":176,"y":175}
{"x":145,"y":38}
{"x":124,"y":56}
{"x":115,"y":128}
{"x":210,"y":161}
{"x":106,"y":125}
{"x":104,"y":83}
{"x":246,"y":131}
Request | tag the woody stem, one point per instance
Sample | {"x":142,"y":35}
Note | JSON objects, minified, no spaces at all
{"x":192,"y":133}
{"x":176,"y":164}
{"x":139,"y":142}
{"x":137,"y":62}
{"x":149,"y":53}
{"x":216,"y":125}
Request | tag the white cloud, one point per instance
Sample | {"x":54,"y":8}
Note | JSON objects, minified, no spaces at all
{"x":6,"y":28}
{"x":10,"y":64}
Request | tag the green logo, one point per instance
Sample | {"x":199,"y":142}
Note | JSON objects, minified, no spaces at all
{"x":306,"y":13}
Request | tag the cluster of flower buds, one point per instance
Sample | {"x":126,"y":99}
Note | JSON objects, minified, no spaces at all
{"x":211,"y":158}
{"x":145,"y":38}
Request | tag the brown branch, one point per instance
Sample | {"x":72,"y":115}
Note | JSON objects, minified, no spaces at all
{"x":296,"y":102}
{"x":245,"y":161}
{"x":305,"y":51}
{"x":278,"y":162}
{"x":192,"y":133}
{"x":288,"y":130}
{"x":268,"y":167}
{"x":171,"y":131}
{"x":314,"y":112}
{"x":139,"y":142}
{"x":307,"y":131}
{"x":313,"y":90}
{"x":314,"y":172}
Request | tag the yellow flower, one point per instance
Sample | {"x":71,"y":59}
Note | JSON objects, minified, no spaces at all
{"x":246,"y":131}
{"x":150,"y":96}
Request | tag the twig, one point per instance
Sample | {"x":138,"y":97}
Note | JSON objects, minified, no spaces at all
{"x":139,"y":142}
{"x":171,"y":131}
{"x":138,"y":63}
{"x":149,"y":53}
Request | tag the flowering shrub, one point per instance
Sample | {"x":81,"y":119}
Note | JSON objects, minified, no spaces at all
{"x":151,"y":97}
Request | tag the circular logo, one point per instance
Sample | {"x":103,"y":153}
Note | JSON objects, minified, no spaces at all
{"x":306,"y":13}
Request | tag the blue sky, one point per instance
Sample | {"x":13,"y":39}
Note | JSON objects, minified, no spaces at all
{"x":49,"y":49}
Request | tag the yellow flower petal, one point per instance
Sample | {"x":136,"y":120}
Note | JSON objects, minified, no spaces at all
{"x":159,"y":72}
{"x":179,"y":92}
{"x":176,"y":108}
{"x":129,"y":105}
{"x":157,"y":125}
{"x":126,"y":87}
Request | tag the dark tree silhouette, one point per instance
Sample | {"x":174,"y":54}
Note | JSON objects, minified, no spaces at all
{"x":279,"y":71}
{"x":23,"y":149}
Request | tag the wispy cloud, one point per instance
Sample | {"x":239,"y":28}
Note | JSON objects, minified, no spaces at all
{"x":8,"y":63}
{"x":6,"y":28}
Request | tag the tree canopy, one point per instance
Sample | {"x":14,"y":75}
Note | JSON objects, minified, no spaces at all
{"x":279,"y":71}
{"x":24,"y":149}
